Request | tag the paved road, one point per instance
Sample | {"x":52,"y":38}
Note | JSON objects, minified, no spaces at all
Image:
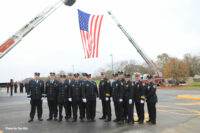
{"x":174,"y":116}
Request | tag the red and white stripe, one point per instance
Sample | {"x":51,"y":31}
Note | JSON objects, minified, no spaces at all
{"x":90,"y":39}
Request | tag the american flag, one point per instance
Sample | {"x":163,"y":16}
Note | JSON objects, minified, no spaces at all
{"x":90,"y":26}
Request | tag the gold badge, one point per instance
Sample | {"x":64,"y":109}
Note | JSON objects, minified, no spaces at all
{"x":132,"y":84}
{"x":154,"y":86}
{"x":143,"y":84}
{"x":122,"y":83}
{"x":108,"y":81}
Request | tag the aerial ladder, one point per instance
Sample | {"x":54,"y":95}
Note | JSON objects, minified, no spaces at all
{"x":19,"y":35}
{"x":158,"y":79}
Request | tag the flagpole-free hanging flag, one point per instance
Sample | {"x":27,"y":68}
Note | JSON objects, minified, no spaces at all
{"x":90,"y":26}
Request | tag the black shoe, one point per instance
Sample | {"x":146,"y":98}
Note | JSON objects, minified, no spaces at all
{"x":55,"y":119}
{"x":141,"y":122}
{"x":148,"y":121}
{"x":108,"y":120}
{"x":131,"y":123}
{"x":102,"y":118}
{"x":40,"y":119}
{"x":82,"y":120}
{"x":92,"y":120}
{"x":74,"y":120}
{"x":121,"y":122}
{"x":31,"y":120}
{"x":115,"y":120}
{"x":49,"y":119}
{"x":59,"y":120}
{"x":137,"y":121}
{"x":152,"y":123}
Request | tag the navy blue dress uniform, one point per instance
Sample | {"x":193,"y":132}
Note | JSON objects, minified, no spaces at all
{"x":62,"y":95}
{"x":104,"y":95}
{"x":83,"y":85}
{"x":117,"y":94}
{"x":76,"y":95}
{"x":36,"y":92}
{"x":69,"y":103}
{"x":51,"y":93}
{"x":90,"y":93}
{"x":128,"y":87}
{"x":151,"y":99}
{"x":139,"y":98}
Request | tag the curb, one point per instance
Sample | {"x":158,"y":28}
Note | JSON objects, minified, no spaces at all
{"x":189,"y":97}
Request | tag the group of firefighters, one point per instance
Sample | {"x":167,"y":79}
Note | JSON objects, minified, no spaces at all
{"x":72,"y":94}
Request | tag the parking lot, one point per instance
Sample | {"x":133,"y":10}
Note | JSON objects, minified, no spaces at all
{"x":174,"y":115}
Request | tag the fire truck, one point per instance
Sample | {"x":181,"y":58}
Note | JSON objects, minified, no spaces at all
{"x":157,"y":77}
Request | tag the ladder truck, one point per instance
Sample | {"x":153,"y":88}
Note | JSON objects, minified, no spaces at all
{"x":158,"y":79}
{"x":19,"y":35}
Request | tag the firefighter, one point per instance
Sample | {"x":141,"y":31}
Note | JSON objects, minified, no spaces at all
{"x":90,"y":95}
{"x":51,"y":93}
{"x":62,"y":95}
{"x":117,"y":97}
{"x":76,"y":95}
{"x":70,"y":80}
{"x":121,"y":76}
{"x":151,"y":99}
{"x":36,"y":92}
{"x":105,"y":94}
{"x":128,"y":87}
{"x":83,"y":85}
{"x":21,"y":87}
{"x":16,"y":86}
{"x":139,"y":94}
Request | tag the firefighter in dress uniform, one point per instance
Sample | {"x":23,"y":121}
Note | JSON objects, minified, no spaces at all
{"x":51,"y":93}
{"x":105,"y":95}
{"x":36,"y":92}
{"x":139,"y":97}
{"x":151,"y":99}
{"x":128,"y":87}
{"x":90,"y":94}
{"x":117,"y":97}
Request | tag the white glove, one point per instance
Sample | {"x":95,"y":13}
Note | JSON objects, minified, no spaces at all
{"x":70,"y":99}
{"x":107,"y":99}
{"x":43,"y":98}
{"x":142,"y":101}
{"x":84,"y":100}
{"x":130,"y":101}
{"x":120,"y":100}
{"x":111,"y":99}
{"x":97,"y":98}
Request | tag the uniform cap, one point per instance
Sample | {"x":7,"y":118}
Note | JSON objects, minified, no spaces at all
{"x":120,"y":72}
{"x":102,"y":73}
{"x":52,"y":73}
{"x":76,"y":75}
{"x":37,"y":74}
{"x":127,"y":75}
{"x":62,"y":76}
{"x":115,"y":74}
{"x":89,"y":75}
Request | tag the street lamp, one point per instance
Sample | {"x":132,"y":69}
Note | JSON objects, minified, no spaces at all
{"x":112,"y":62}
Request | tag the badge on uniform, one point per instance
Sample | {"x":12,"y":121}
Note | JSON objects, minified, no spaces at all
{"x":138,"y":86}
{"x":87,"y":85}
{"x":126,"y":85}
{"x":143,"y":84}
{"x":154,"y":86}
{"x":122,"y":83}
{"x":132,"y":84}
{"x":108,"y":81}
{"x":65,"y":86}
{"x":116,"y":84}
{"x":102,"y":83}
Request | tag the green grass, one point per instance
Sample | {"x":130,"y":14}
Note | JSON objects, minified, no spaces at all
{"x":194,"y":85}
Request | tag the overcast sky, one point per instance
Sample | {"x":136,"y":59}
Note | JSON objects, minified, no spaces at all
{"x":158,"y":26}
